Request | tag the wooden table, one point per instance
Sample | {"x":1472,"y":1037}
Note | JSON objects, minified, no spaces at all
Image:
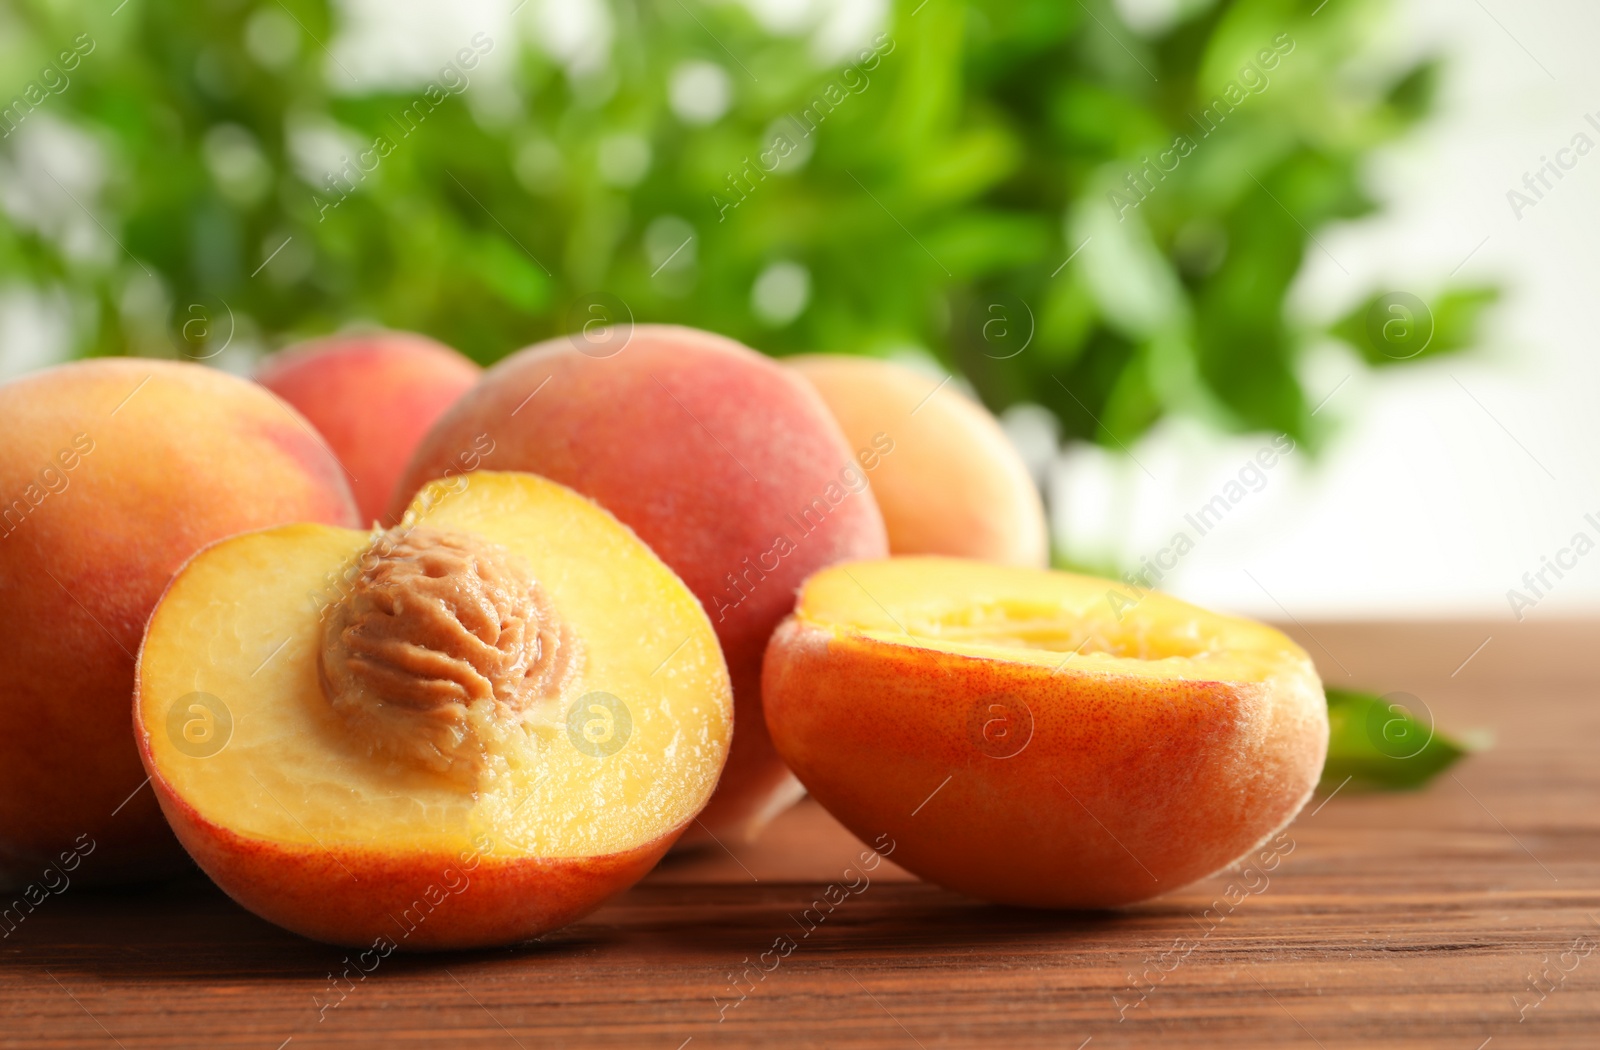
{"x":1397,"y":920}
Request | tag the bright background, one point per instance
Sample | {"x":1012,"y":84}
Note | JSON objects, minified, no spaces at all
{"x":1449,"y":480}
{"x":1438,"y":484}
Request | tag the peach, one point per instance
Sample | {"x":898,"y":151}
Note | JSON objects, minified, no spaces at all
{"x":725,"y":463}
{"x":114,"y":471}
{"x":372,"y":395}
{"x":955,"y":484}
{"x":465,"y":731}
{"x":1038,"y":738}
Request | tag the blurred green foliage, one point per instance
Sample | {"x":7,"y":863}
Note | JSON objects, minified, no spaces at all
{"x":934,"y":204}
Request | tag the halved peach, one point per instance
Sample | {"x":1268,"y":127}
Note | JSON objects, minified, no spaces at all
{"x":1039,"y":738}
{"x":464,"y":731}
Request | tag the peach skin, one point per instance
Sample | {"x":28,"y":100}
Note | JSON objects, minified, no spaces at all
{"x":372,"y":395}
{"x":114,"y":471}
{"x":955,"y":485}
{"x":1028,"y":740}
{"x":725,"y":463}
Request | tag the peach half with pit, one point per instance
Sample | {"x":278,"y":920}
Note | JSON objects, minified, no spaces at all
{"x":1038,"y":738}
{"x":464,"y":731}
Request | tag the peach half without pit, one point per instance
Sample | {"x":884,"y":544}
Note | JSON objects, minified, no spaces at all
{"x":464,"y":731}
{"x":1027,"y":738}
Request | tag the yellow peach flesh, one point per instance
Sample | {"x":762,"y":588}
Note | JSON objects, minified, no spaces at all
{"x":244,"y":623}
{"x":1026,"y":616}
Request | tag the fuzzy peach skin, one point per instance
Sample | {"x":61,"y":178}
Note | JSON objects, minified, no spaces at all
{"x":1022,"y":745}
{"x":372,"y":395}
{"x":954,"y":484}
{"x":728,"y":465}
{"x":112,"y":472}
{"x":414,"y":901}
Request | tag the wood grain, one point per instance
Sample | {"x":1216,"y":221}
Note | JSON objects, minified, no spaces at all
{"x":1400,"y":920}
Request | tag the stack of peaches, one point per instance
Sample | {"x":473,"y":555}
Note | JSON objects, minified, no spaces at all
{"x":395,"y":630}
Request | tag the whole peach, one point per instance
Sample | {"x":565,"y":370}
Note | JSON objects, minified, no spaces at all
{"x":113,"y":472}
{"x":372,"y":395}
{"x":728,"y":465}
{"x":955,"y":485}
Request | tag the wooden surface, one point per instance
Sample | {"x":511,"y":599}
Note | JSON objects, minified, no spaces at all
{"x":1398,"y":920}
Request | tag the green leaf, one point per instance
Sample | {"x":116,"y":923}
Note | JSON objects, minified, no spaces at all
{"x":1392,"y":327}
{"x":1412,"y":97}
{"x":1384,"y":743}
